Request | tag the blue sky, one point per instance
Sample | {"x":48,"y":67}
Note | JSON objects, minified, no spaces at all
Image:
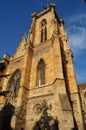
{"x":15,"y":21}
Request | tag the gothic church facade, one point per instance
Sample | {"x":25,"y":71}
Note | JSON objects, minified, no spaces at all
{"x":42,"y":88}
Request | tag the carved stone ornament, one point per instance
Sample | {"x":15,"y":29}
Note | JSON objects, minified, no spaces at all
{"x":37,"y":109}
{"x":46,"y":121}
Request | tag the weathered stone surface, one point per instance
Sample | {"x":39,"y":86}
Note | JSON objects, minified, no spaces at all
{"x":58,"y":99}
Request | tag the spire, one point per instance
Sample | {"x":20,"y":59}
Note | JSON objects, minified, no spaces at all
{"x":48,"y":2}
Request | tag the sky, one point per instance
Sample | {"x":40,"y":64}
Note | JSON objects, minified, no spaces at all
{"x":15,"y":21}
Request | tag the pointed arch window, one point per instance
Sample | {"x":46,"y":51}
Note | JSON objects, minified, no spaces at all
{"x":42,"y":35}
{"x":41,"y":73}
{"x":45,"y":33}
{"x":43,"y":30}
{"x":14,"y":83}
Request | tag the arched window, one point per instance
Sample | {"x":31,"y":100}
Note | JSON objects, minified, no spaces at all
{"x":42,"y":35}
{"x":14,"y":83}
{"x":43,"y":30}
{"x":45,"y":36}
{"x":41,"y":73}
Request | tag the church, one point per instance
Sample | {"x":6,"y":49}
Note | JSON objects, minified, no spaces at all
{"x":40,"y":91}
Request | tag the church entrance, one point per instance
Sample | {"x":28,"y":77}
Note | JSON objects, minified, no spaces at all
{"x":5,"y":116}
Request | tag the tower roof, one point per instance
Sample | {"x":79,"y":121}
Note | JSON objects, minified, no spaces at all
{"x":46,"y":9}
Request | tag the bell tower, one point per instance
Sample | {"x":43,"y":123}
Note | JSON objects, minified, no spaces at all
{"x":43,"y":91}
{"x":52,"y":79}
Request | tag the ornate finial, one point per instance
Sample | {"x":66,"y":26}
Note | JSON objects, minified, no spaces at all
{"x":51,"y":5}
{"x":47,"y":4}
{"x":48,"y":1}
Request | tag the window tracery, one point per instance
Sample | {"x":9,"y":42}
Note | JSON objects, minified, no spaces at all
{"x":14,"y":83}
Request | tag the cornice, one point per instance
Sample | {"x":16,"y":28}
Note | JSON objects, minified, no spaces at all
{"x":46,"y":10}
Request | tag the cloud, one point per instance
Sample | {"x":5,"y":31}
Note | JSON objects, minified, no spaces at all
{"x":77,"y":18}
{"x":77,"y":37}
{"x":76,"y":31}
